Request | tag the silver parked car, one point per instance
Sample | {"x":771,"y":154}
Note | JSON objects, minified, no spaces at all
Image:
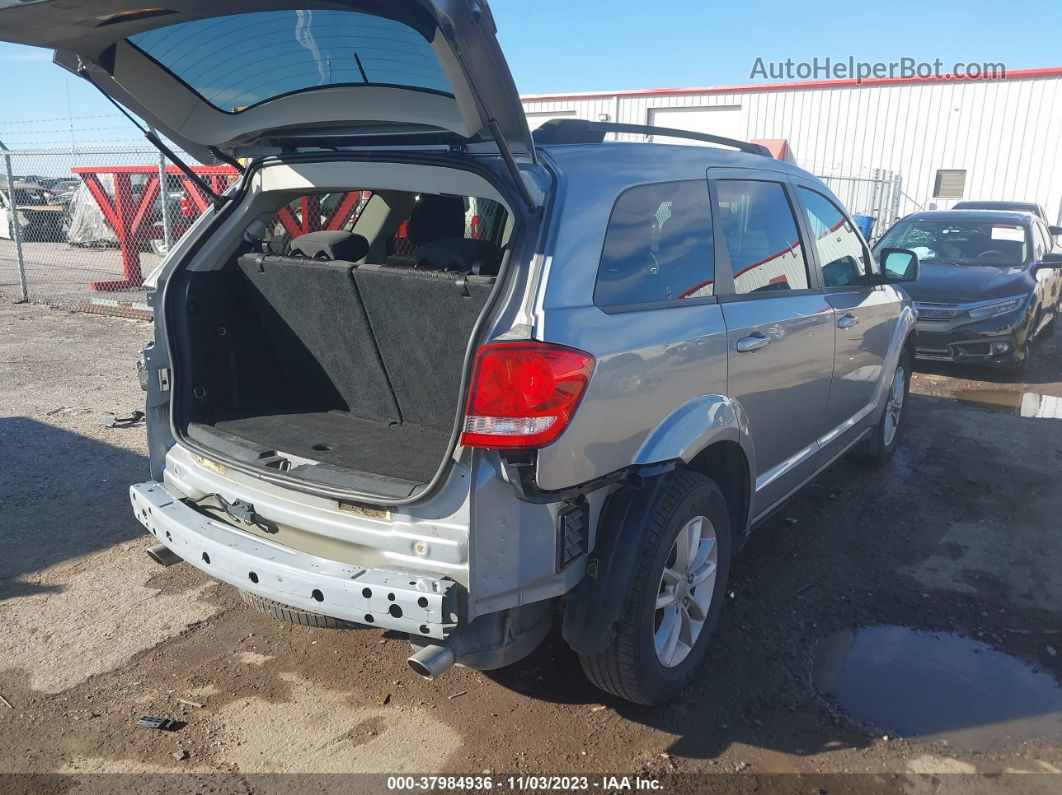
{"x":504,"y":381}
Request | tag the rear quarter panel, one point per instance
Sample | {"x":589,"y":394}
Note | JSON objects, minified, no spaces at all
{"x":661,"y":373}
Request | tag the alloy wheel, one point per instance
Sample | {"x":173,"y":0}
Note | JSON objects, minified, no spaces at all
{"x":685,"y":592}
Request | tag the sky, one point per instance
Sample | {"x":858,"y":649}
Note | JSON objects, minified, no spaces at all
{"x":592,"y":45}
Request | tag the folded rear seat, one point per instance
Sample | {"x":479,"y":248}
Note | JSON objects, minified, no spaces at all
{"x":423,"y":319}
{"x":317,"y":324}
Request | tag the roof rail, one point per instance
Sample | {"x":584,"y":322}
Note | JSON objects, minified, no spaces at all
{"x":581,"y":131}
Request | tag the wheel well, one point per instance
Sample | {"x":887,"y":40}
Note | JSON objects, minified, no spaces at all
{"x":726,"y":464}
{"x":909,"y":344}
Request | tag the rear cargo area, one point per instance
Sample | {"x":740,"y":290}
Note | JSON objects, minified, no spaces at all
{"x":340,"y":373}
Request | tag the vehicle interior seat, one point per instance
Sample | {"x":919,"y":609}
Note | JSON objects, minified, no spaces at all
{"x":292,"y":295}
{"x":423,"y":319}
{"x":330,"y":245}
{"x":433,"y":218}
{"x":479,"y":257}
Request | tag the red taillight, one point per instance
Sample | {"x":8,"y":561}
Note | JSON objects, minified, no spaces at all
{"x":184,"y":207}
{"x":524,"y":393}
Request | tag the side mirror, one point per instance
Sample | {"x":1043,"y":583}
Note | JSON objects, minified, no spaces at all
{"x":1052,"y":259}
{"x":1055,"y":230}
{"x":898,"y":265}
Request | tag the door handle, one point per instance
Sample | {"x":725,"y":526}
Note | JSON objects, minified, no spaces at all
{"x":847,"y":320}
{"x":752,"y":343}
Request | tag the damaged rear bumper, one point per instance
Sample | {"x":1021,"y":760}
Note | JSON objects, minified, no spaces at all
{"x":405,"y":602}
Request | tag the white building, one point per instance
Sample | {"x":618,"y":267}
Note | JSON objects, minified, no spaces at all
{"x":887,"y":147}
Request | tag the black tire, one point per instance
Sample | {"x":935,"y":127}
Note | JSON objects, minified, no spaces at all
{"x":874,"y":448}
{"x":630,"y":668}
{"x":292,"y":615}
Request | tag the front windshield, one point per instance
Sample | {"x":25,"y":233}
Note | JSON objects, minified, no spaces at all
{"x":960,"y":242}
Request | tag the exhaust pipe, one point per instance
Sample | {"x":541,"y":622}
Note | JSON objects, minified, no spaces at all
{"x":163,"y":555}
{"x":431,"y":662}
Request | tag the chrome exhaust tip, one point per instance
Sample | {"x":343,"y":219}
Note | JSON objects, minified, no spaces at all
{"x":163,"y":555}
{"x":431,"y":662}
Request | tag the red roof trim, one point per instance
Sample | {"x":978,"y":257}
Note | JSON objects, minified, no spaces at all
{"x":1015,"y":74}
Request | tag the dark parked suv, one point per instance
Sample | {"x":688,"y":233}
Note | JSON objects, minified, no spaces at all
{"x":527,"y":379}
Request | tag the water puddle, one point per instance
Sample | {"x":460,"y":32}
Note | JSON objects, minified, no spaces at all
{"x":938,"y":686}
{"x":1009,"y":401}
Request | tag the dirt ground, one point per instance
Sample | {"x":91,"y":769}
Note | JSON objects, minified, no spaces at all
{"x":61,"y":273}
{"x":960,"y":533}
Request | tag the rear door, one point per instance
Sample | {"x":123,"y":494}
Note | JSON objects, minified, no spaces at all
{"x":221,"y":76}
{"x":864,"y":315}
{"x":779,"y":326}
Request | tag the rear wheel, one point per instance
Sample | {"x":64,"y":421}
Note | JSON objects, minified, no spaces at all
{"x":881,"y":444}
{"x":675,"y":598}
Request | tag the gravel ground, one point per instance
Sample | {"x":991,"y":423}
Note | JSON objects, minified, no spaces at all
{"x":958,"y":534}
{"x":61,"y":274}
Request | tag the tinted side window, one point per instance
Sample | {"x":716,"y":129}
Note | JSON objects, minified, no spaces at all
{"x":658,"y":246}
{"x":841,"y":254}
{"x":761,"y":236}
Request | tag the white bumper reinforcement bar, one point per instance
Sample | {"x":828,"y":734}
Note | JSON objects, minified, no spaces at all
{"x":395,"y":600}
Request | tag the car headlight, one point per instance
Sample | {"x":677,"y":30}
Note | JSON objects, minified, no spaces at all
{"x":995,"y":308}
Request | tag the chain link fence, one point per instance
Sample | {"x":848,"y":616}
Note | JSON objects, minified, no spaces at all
{"x":873,"y":195}
{"x":82,"y":229}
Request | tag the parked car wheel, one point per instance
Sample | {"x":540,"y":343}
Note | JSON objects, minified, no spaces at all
{"x":675,"y":598}
{"x":292,"y":615}
{"x":881,"y":444}
{"x":1016,"y":370}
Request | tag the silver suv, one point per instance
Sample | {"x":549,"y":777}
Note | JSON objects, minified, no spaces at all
{"x":419,"y":370}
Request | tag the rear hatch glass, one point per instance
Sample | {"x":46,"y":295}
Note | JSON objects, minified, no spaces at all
{"x":237,"y":62}
{"x":237,"y":77}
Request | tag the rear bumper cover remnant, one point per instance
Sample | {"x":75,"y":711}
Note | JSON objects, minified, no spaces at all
{"x":405,"y":602}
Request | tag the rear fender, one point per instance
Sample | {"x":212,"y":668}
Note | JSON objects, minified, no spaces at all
{"x":595,"y":605}
{"x":904,"y":330}
{"x":693,"y":427}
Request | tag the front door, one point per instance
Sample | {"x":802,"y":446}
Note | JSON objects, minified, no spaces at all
{"x":779,"y":327}
{"x":864,"y":315}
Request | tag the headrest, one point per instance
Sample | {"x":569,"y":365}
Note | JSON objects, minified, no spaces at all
{"x":436,"y":217}
{"x":480,"y":257}
{"x":330,"y":245}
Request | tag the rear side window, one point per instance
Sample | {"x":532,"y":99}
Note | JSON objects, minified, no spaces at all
{"x":658,"y":246}
{"x":760,"y":231}
{"x":841,"y":254}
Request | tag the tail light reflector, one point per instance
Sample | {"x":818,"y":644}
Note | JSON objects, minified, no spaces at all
{"x":524,"y":394}
{"x":184,"y":207}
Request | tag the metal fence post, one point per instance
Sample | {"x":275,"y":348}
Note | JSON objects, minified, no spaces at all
{"x":164,"y":196}
{"x":16,"y":231}
{"x":897,"y":192}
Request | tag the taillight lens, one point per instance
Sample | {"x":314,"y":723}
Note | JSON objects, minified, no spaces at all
{"x":184,"y":207}
{"x":524,"y":393}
